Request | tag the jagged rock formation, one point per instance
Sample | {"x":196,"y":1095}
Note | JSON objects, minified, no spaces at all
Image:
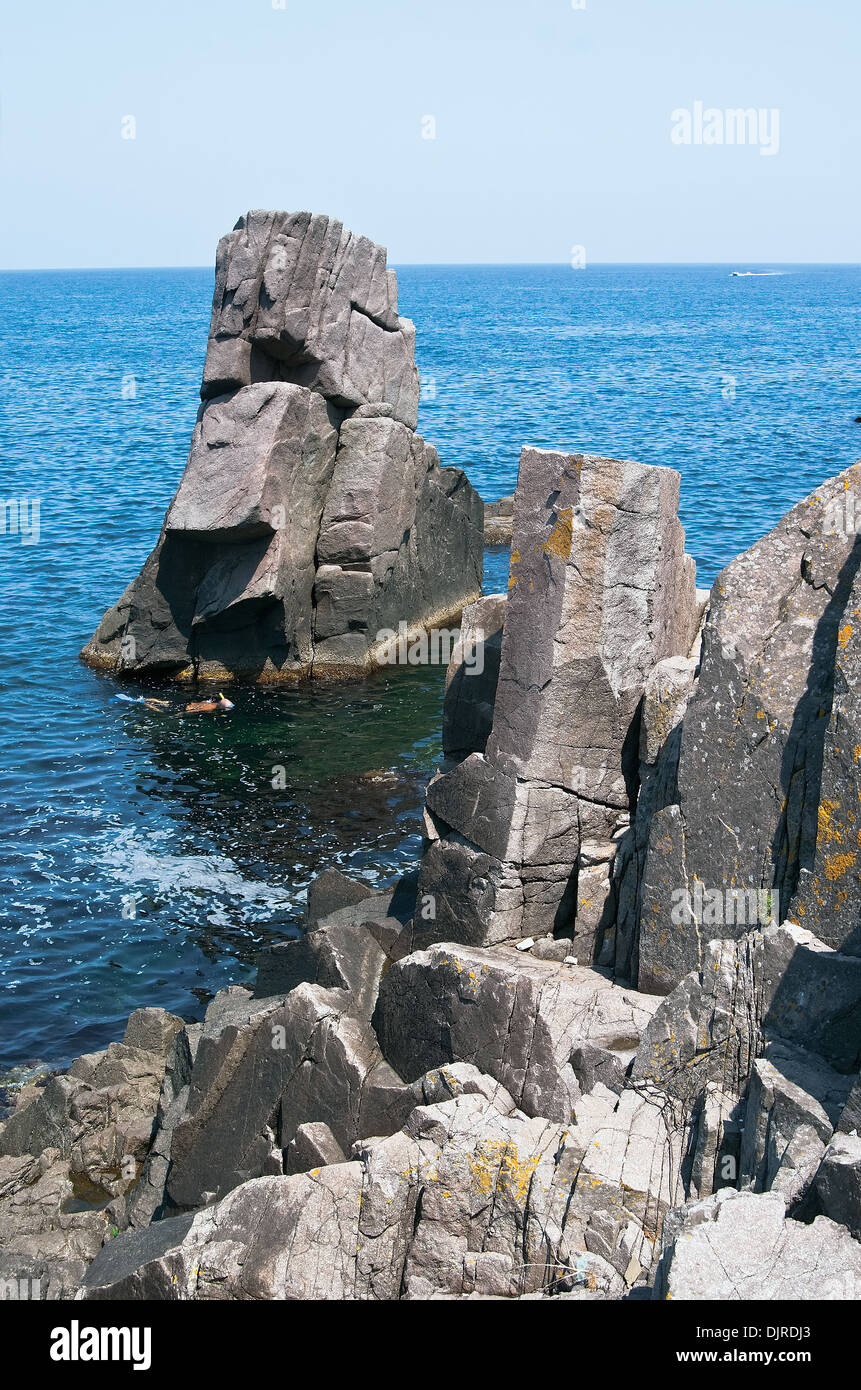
{"x":735,"y":1245}
{"x":392,"y":1113}
{"x":600,"y":591}
{"x":472,"y":678}
{"x":311,"y":516}
{"x":758,"y":792}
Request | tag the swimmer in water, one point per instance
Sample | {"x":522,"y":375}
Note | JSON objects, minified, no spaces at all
{"x":209,"y":706}
{"x":162,"y":706}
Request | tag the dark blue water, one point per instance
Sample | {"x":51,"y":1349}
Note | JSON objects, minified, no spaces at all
{"x":747,"y":386}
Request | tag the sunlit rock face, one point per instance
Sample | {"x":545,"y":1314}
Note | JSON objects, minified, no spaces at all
{"x":524,"y":833}
{"x":311,"y":517}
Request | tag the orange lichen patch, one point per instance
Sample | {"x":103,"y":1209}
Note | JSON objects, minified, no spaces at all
{"x":496,"y":1165}
{"x":837,"y":864}
{"x":558,"y":543}
{"x":844,"y":634}
{"x":515,"y":557}
{"x":828,"y":831}
{"x":856,"y":752}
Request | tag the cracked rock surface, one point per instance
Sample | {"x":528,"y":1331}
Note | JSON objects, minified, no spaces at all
{"x":310,"y":516}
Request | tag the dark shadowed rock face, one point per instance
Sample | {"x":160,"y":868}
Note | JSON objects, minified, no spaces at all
{"x":472,"y":676}
{"x":764,"y":802}
{"x":311,"y":516}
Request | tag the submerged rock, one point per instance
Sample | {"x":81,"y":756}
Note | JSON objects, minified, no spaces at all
{"x":311,"y":517}
{"x":499,"y":521}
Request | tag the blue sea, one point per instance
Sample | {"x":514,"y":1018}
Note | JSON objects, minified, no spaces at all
{"x":144,"y":859}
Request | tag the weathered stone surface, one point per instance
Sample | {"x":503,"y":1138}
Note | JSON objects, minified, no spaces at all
{"x":598,"y":1065}
{"x":499,"y":521}
{"x":600,"y":591}
{"x":471,"y":678}
{"x":265,"y":1066}
{"x":667,"y":693}
{"x":740,"y":1245}
{"x":346,"y":948}
{"x":310,"y":515}
{"x":838,"y":1182}
{"x":46,"y":1232}
{"x":395,"y":517}
{"x":73,"y":1148}
{"x":851,"y":1118}
{"x":793,"y":1104}
{"x":145,"y":1202}
{"x":299,"y":298}
{"x":778,"y":982}
{"x":460,"y":1079}
{"x":762,"y":744}
{"x":515,"y":1019}
{"x":331,"y":891}
{"x":411,"y":1216}
{"x":716,"y":1130}
{"x":312,"y":1146}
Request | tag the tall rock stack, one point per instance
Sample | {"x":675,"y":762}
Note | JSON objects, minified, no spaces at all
{"x":310,"y":516}
{"x":600,"y":590}
{"x":758,"y":817}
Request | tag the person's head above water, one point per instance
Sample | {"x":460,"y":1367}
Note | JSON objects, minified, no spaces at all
{"x":224,"y":703}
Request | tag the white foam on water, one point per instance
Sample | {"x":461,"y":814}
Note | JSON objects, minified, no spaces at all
{"x":133,"y":858}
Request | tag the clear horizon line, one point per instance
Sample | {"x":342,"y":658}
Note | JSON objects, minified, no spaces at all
{"x":434,"y":265}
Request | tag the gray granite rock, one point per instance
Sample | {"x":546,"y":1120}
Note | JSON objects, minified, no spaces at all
{"x":774,"y":983}
{"x":499,"y":521}
{"x":838,"y":1182}
{"x":312,"y":1146}
{"x":515,"y":1019}
{"x":740,"y":1245}
{"x":299,"y":298}
{"x":794,"y":1101}
{"x":471,"y":678}
{"x":73,"y":1151}
{"x":263,"y":1068}
{"x":600,"y":591}
{"x":332,"y":890}
{"x":762,"y":754}
{"x":410,"y":1216}
{"x":310,"y":516}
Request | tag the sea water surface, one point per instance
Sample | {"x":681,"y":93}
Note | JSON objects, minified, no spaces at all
{"x":144,"y":859}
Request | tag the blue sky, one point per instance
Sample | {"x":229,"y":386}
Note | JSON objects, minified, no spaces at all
{"x":553,"y":127}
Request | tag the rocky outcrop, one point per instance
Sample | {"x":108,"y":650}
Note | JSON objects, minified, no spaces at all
{"x":736,"y":1245}
{"x":523,"y":834}
{"x":472,"y":678}
{"x":463,"y":1201}
{"x":499,"y":521}
{"x":515,"y":1019}
{"x":416,"y":1100}
{"x":72,"y":1150}
{"x":758,"y":800}
{"x":311,"y":518}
